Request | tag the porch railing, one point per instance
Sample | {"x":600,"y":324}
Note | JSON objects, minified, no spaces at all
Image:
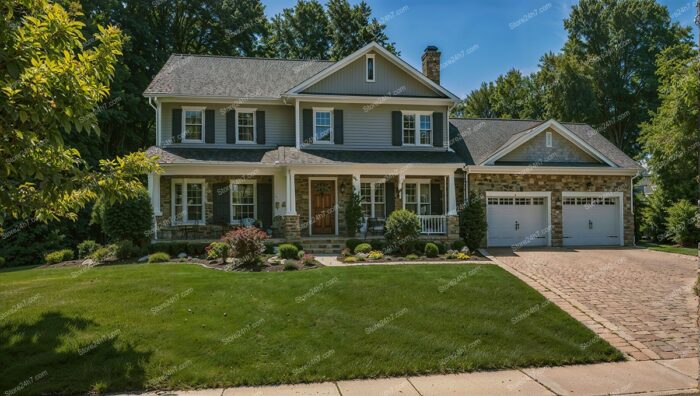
{"x":433,"y":224}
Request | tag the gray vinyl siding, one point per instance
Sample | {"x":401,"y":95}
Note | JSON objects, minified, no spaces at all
{"x":536,"y":150}
{"x":371,"y":129}
{"x":389,"y":80}
{"x":279,"y":125}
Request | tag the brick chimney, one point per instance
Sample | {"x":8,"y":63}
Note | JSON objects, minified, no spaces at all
{"x":431,"y":63}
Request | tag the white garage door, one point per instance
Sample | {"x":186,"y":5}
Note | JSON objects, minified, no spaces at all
{"x":517,"y":221}
{"x":591,"y":221}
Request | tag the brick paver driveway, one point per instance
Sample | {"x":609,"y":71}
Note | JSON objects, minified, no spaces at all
{"x":641,"y":301}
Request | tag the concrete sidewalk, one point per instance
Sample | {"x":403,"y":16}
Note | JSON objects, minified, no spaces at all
{"x":659,"y":377}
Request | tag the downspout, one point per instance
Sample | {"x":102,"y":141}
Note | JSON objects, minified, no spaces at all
{"x":150,"y":177}
{"x":634,"y":234}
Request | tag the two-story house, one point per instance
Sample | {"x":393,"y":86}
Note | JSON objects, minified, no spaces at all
{"x":285,"y":143}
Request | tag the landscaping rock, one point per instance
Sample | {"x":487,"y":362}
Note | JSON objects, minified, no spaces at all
{"x":229,"y":260}
{"x":283,"y":262}
{"x":143,"y":259}
{"x":182,"y":255}
{"x":274,"y":260}
{"x":88,"y":263}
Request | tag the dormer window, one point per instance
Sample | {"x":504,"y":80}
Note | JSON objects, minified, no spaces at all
{"x":548,"y":139}
{"x":369,"y":60}
{"x":192,"y":124}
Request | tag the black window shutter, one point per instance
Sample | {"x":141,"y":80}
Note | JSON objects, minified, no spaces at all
{"x":222,"y":203}
{"x":338,"y":126}
{"x":390,"y":198}
{"x":260,"y":126}
{"x":231,"y":126}
{"x":308,"y":124}
{"x":396,"y":128}
{"x":435,"y":199}
{"x":209,"y":126}
{"x":437,"y":130}
{"x":264,"y":198}
{"x":177,"y":125}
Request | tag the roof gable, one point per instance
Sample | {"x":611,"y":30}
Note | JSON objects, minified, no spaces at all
{"x":561,"y":151}
{"x":347,"y":68}
{"x":519,"y":139}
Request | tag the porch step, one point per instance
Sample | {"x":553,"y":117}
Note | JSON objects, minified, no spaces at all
{"x":323,"y":246}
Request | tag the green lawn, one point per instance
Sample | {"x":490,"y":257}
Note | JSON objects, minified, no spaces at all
{"x":670,"y":248}
{"x":182,"y":326}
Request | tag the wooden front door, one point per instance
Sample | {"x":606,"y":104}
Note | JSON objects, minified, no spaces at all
{"x":322,"y":207}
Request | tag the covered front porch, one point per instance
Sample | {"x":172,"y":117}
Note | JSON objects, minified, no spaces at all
{"x":295,"y":202}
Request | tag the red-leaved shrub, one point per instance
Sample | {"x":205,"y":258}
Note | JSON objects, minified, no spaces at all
{"x":246,"y":243}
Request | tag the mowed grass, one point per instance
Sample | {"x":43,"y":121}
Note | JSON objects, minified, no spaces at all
{"x":178,"y":326}
{"x":670,"y":248}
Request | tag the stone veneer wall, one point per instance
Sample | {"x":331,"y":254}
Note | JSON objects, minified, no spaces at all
{"x":301,"y":188}
{"x":481,"y":183}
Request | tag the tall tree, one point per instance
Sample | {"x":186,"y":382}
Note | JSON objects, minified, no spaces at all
{"x":352,"y":27}
{"x":477,"y":104}
{"x":51,"y":85}
{"x":671,"y":136}
{"x":567,"y":92}
{"x":300,"y":32}
{"x":620,"y":40}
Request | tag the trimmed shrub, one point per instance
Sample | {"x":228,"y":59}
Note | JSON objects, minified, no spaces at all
{"x":246,"y":244}
{"x":472,"y":222}
{"x":458,"y":245}
{"x":129,"y":219}
{"x":363,"y":248}
{"x":375,"y":255}
{"x":298,"y":245}
{"x":288,"y":251}
{"x":103,"y":253}
{"x":378,"y":244}
{"x":217,"y":250}
{"x":86,"y":247}
{"x":462,"y":256}
{"x":411,"y":256}
{"x":682,"y":223}
{"x":59,"y":256}
{"x":353,"y":214}
{"x":402,"y":227}
{"x":351,"y":259}
{"x":431,"y":250}
{"x":300,"y":254}
{"x":159,"y":257}
{"x":352,"y":243}
{"x":126,"y":249}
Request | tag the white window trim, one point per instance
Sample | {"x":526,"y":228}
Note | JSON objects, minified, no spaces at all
{"x":373,"y":183}
{"x":323,"y":110}
{"x":255,"y":126}
{"x":374,"y":68}
{"x":548,"y":138}
{"x":184,"y":183}
{"x":185,"y":109}
{"x":418,"y":202}
{"x":230,"y":198}
{"x":417,"y":115}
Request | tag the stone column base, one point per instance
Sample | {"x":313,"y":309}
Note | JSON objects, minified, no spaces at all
{"x":290,"y":227}
{"x":453,"y":227}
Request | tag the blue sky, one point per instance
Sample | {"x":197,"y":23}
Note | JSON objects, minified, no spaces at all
{"x":484,"y":38}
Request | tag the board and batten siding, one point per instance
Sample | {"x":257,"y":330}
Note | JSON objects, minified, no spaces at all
{"x":279,"y":125}
{"x":389,"y":79}
{"x":368,"y":126}
{"x":536,"y":150}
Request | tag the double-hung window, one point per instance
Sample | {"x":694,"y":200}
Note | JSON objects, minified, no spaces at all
{"x":188,"y":197}
{"x":417,"y":128}
{"x":417,"y":197}
{"x":373,"y":198}
{"x":323,"y":125}
{"x":242,"y":200}
{"x":193,"y":124}
{"x":245,"y":125}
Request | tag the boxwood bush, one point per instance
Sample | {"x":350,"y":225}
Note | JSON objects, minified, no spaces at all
{"x":363,"y":248}
{"x":402,"y":227}
{"x":59,"y":256}
{"x":288,"y":251}
{"x":431,"y":250}
{"x":159,"y":257}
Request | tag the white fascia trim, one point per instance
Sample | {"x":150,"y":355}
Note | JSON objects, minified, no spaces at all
{"x":550,"y":170}
{"x":372,"y":99}
{"x":564,"y":131}
{"x":217,"y":170}
{"x":383,"y":170}
{"x":391,"y":57}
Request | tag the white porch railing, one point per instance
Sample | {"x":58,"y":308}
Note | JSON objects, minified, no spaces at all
{"x":433,"y":224}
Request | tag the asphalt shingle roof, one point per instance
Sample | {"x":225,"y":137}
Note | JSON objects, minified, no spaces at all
{"x":224,"y":76}
{"x":480,"y":138}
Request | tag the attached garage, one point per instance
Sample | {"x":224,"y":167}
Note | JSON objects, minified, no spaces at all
{"x":592,"y":219}
{"x":518,"y":219}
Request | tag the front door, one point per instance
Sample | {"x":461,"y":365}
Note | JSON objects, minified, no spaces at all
{"x":322,"y":207}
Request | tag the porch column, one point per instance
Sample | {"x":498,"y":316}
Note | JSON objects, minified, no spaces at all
{"x":356,"y":183}
{"x":451,"y":195}
{"x":154,"y":192}
{"x":291,"y":194}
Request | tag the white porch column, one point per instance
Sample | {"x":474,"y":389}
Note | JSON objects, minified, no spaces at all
{"x":291,"y":194}
{"x":356,"y":182}
{"x":451,"y":195}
